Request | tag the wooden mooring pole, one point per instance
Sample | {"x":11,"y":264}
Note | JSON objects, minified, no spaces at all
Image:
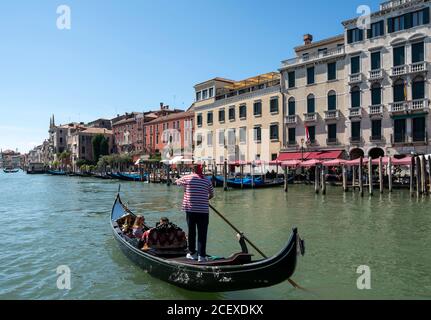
{"x":344,"y":172}
{"x":381,"y":174}
{"x":418,"y":177}
{"x":370,"y":176}
{"x":361,"y":181}
{"x":225,"y":175}
{"x":390,"y":173}
{"x":286,"y":178}
{"x":412,"y":175}
{"x":323,"y":179}
{"x":316,"y":179}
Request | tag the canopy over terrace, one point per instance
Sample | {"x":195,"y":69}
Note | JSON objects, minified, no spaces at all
{"x":317,"y":155}
{"x":254,"y":81}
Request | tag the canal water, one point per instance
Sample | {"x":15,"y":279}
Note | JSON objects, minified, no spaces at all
{"x":48,"y":221}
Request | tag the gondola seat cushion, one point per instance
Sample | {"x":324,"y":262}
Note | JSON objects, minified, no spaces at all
{"x":157,"y":239}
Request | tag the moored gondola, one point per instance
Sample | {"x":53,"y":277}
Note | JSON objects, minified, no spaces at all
{"x":10,"y":170}
{"x":238,"y":272}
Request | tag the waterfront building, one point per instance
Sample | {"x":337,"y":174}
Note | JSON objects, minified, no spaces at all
{"x":365,"y":92}
{"x":238,"y":120}
{"x":170,"y":135}
{"x":81,"y":144}
{"x":388,"y":80}
{"x":313,"y":87}
{"x":125,"y":130}
{"x":10,"y":159}
{"x":100,"y":123}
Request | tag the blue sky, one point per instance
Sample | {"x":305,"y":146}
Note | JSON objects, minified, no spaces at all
{"x":131,"y":55}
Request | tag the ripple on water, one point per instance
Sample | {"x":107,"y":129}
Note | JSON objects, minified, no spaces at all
{"x":51,"y":221}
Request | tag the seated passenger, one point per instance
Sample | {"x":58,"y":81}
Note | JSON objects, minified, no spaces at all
{"x":162,"y":221}
{"x":125,"y":223}
{"x":139,"y":227}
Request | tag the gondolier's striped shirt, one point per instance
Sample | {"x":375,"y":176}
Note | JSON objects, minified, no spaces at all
{"x":197,"y":192}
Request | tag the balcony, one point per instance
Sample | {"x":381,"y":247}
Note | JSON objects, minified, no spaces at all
{"x":355,"y":78}
{"x":312,"y":57}
{"x":310,"y":117}
{"x":292,"y":119}
{"x":375,"y":110}
{"x":376,"y":139}
{"x":332,"y":141}
{"x":418,"y":67}
{"x":420,"y":105}
{"x":398,"y":139}
{"x":356,"y":140}
{"x":393,"y":4}
{"x":332,"y":115}
{"x":398,"y":107}
{"x":355,"y":113}
{"x":399,"y":71}
{"x":376,"y":75}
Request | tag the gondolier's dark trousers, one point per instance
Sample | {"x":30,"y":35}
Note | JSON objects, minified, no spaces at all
{"x":200,"y":221}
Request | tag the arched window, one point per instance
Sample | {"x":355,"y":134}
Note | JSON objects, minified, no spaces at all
{"x":418,"y":88}
{"x":376,"y":94}
{"x":400,"y":90}
{"x":311,"y":105}
{"x":332,"y":100}
{"x":291,"y":107}
{"x":355,"y":96}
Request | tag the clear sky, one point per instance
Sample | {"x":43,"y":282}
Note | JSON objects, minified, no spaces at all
{"x":131,"y":55}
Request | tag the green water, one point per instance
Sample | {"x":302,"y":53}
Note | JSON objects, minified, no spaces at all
{"x":49,"y":221}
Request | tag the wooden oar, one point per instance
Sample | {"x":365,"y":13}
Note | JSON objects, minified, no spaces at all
{"x":293,"y":283}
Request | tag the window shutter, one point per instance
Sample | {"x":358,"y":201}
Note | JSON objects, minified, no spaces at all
{"x":390,"y":25}
{"x":408,"y":20}
{"x":361,"y":34}
{"x":382,"y":27}
{"x":369,"y":33}
{"x":426,"y":16}
{"x":349,"y":36}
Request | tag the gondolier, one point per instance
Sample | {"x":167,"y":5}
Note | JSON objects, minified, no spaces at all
{"x":197,"y":192}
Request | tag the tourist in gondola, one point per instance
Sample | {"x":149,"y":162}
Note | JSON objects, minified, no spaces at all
{"x":197,"y":192}
{"x":139,"y":227}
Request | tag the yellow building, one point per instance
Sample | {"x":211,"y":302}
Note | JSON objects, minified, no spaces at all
{"x":239,"y":120}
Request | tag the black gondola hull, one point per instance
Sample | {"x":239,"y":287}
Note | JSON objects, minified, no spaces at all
{"x":213,"y":278}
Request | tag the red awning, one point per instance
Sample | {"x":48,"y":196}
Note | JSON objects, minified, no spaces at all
{"x":356,"y":162}
{"x":310,"y":163}
{"x":334,"y":163}
{"x":385,"y":161}
{"x":402,"y":162}
{"x":323,"y":155}
{"x":291,"y":163}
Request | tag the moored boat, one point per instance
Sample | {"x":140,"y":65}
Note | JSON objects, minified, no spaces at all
{"x":56,"y":172}
{"x":238,"y":272}
{"x":129,"y":176}
{"x":10,"y":170}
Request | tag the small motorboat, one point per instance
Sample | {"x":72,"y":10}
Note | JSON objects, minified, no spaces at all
{"x":10,"y":170}
{"x":56,"y":172}
{"x":237,"y":272}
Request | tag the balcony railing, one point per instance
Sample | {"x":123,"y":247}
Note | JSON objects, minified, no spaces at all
{"x":375,"y":110}
{"x":392,"y":4}
{"x":292,"y":119}
{"x":399,"y":70}
{"x":376,"y":74}
{"x":355,"y":112}
{"x":331,"y":141}
{"x":310,"y":117}
{"x":355,"y":78}
{"x":355,"y":140}
{"x":418,"y":67}
{"x":419,"y":105}
{"x":315,"y":56}
{"x":399,"y":107}
{"x":332,"y":115}
{"x":398,"y":139}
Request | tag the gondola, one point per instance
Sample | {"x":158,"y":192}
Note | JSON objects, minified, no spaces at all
{"x":10,"y":170}
{"x":258,"y":183}
{"x":129,"y":176}
{"x":238,"y":272}
{"x":56,"y":172}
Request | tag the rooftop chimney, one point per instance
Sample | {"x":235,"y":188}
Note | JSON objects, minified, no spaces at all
{"x":308,"y":39}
